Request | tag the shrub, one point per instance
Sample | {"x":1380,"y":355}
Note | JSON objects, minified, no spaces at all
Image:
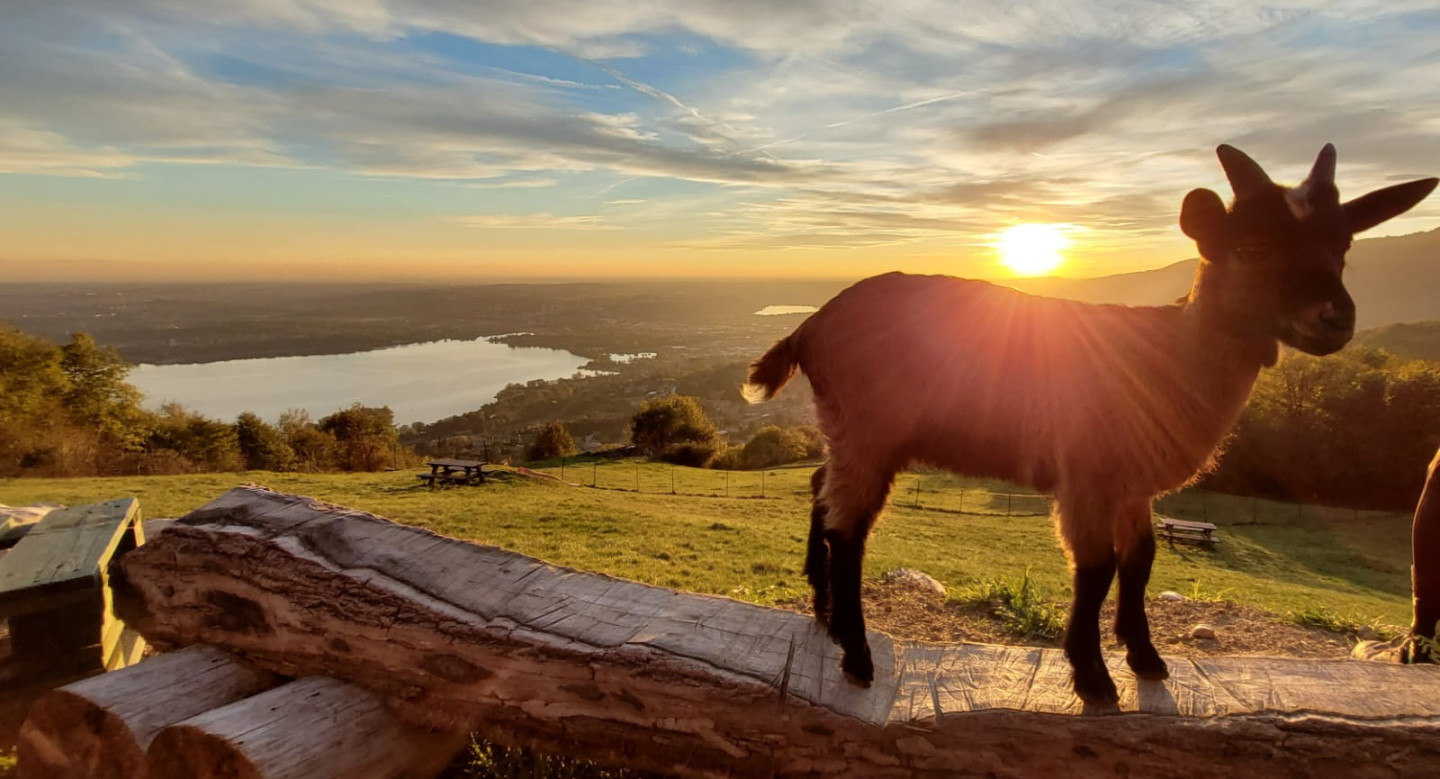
{"x":772,"y":446}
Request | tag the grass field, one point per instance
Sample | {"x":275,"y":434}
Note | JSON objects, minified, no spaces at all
{"x":1350,"y":566}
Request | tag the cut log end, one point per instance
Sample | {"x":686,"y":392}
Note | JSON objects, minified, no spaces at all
{"x":68,"y":736}
{"x":99,"y":728}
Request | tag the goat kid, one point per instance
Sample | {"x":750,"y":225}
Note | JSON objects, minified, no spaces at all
{"x":1103,"y":406}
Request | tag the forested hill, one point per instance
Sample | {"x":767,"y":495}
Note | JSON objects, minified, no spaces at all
{"x":1417,"y":340}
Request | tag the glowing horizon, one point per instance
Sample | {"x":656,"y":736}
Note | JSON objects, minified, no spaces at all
{"x":544,"y":140}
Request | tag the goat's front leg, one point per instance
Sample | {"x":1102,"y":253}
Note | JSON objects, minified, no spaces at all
{"x":1135,"y":554}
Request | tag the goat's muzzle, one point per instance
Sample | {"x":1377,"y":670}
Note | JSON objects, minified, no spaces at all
{"x":1322,"y":329}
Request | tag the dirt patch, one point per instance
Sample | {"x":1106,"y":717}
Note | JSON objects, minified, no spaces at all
{"x":909,"y":613}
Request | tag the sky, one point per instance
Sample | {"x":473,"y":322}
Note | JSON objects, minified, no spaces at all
{"x":426,"y":139}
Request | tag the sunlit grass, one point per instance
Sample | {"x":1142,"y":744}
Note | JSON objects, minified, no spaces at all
{"x":753,"y":548}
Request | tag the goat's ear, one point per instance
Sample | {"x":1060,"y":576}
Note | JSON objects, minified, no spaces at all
{"x":1203,"y":216}
{"x":1368,"y":210}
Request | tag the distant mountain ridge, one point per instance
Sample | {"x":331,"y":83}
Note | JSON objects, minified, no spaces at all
{"x":1393,"y":280}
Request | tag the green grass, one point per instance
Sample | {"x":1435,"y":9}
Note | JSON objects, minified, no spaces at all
{"x":1336,"y":562}
{"x":1024,"y":609}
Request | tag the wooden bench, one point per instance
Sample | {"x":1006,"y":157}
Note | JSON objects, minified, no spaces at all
{"x":55,"y":594}
{"x":1186,"y":532}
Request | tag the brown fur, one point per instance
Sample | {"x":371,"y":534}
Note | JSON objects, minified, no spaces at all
{"x":1104,"y":406}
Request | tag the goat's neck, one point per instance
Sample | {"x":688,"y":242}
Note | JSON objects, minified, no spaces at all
{"x":1223,"y":334}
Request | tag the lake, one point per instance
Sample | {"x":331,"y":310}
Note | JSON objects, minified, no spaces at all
{"x":419,"y":382}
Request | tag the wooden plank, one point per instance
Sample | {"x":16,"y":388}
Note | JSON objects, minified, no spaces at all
{"x":1185,"y":524}
{"x":455,"y":635}
{"x":63,"y":554}
{"x":99,"y":728}
{"x":313,"y":728}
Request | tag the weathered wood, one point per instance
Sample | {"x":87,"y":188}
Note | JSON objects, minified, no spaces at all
{"x":313,"y":728}
{"x":54,"y":590}
{"x":100,"y":727}
{"x":59,"y":560}
{"x":457,"y":635}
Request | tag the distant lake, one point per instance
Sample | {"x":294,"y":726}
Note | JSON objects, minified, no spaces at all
{"x":419,"y":382}
{"x":778,"y":310}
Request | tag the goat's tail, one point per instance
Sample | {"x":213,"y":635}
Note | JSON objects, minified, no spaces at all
{"x":769,"y":373}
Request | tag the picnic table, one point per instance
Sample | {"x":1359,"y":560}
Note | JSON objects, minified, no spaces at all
{"x":1186,"y":532}
{"x":454,"y":472}
{"x":55,"y":590}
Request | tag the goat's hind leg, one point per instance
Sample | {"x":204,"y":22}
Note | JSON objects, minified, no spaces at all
{"x":853,"y":499}
{"x":1135,"y":554}
{"x":1085,"y":529}
{"x":817,"y":552}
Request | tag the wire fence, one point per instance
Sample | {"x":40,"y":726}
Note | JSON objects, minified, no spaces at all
{"x":911,"y":490}
{"x":930,"y":491}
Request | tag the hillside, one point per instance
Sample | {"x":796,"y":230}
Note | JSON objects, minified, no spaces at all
{"x":1417,"y":340}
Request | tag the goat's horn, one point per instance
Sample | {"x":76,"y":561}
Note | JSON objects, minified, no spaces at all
{"x":1246,"y":176}
{"x":1324,"y":170}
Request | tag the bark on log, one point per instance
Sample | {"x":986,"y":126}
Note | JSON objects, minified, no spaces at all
{"x":100,"y":727}
{"x":313,"y":728}
{"x":457,"y":635}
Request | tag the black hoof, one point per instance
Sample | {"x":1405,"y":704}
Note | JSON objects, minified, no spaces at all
{"x":1095,"y":687}
{"x":858,"y":668}
{"x":1146,"y":664}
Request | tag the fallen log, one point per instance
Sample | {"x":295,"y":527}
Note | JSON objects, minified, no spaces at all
{"x":462,"y":636}
{"x":100,"y":727}
{"x":313,"y":728}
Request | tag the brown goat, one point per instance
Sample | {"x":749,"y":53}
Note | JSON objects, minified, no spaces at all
{"x":1104,"y":406}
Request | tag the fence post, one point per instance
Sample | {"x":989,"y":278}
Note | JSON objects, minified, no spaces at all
{"x":762,"y":485}
{"x":1009,"y":499}
{"x":672,"y":480}
{"x":918,"y":477}
{"x":562,"y":467}
{"x":637,"y":477}
{"x":727,"y":482}
{"x":595,"y":473}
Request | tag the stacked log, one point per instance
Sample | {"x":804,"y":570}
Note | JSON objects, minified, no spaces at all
{"x":202,"y":713}
{"x":455,"y":636}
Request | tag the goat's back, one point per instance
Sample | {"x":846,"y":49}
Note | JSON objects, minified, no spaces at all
{"x":992,"y":381}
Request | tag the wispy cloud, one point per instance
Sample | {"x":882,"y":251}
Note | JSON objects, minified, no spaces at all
{"x":531,"y":222}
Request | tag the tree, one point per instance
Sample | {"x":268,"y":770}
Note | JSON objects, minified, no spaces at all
{"x":552,"y":441}
{"x":664,"y":423}
{"x":32,"y":385}
{"x":99,"y":398}
{"x":365,"y":436}
{"x":203,"y":444}
{"x":261,"y":445}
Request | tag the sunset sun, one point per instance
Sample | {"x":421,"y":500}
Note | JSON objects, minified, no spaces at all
{"x":1032,"y":249}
